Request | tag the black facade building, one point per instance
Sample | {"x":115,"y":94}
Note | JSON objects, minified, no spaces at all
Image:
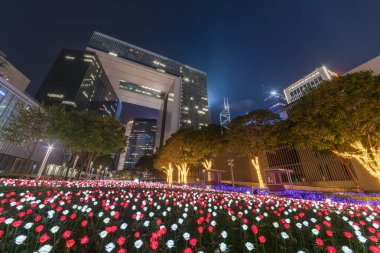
{"x":78,"y":81}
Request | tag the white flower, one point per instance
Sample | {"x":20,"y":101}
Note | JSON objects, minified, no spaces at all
{"x":180,"y":220}
{"x":103,"y":234}
{"x":315,"y":231}
{"x":244,"y":226}
{"x":151,"y":214}
{"x":313,"y":220}
{"x":284,"y":235}
{"x":138,"y":244}
{"x":224,"y":234}
{"x":186,"y":236}
{"x":110,"y":246}
{"x":174,"y":227}
{"x":54,"y":229}
{"x":146,"y":223}
{"x":328,"y":218}
{"x":305,"y":223}
{"x":233,"y":218}
{"x":287,"y":221}
{"x":346,"y":249}
{"x":299,"y":225}
{"x":213,"y":223}
{"x":9,"y":221}
{"x":184,"y":215}
{"x":20,"y":239}
{"x":123,"y":226}
{"x":28,"y":225}
{"x":362,"y":239}
{"x":223,"y":247}
{"x":106,"y":220}
{"x":275,"y":224}
{"x":65,"y":212}
{"x":301,"y":251}
{"x":249,"y":246}
{"x":170,"y":244}
{"x":45,"y":249}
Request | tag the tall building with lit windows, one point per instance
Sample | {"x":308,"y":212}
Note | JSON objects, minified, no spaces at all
{"x":312,"y":80}
{"x":141,"y":140}
{"x":78,"y":81}
{"x":147,"y":79}
{"x":275,"y":102}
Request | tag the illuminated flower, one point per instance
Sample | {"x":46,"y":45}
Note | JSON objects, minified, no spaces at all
{"x":262,"y":239}
{"x":170,"y":244}
{"x":249,"y":246}
{"x":138,"y":244}
{"x":45,"y":249}
{"x":84,"y":240}
{"x":54,"y":229}
{"x":319,"y":242}
{"x":43,"y":238}
{"x":224,"y":234}
{"x":284,"y":235}
{"x":70,"y":243}
{"x":346,"y":249}
{"x":109,"y":247}
{"x":186,"y":236}
{"x":223,"y":247}
{"x":20,"y":239}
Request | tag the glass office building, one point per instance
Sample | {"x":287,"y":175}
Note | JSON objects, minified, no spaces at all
{"x":77,"y":80}
{"x":193,"y":102}
{"x":141,"y":140}
{"x":275,"y":102}
{"x":13,"y":159}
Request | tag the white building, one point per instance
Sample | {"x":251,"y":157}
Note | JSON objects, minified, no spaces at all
{"x":312,"y":80}
{"x":372,"y":65}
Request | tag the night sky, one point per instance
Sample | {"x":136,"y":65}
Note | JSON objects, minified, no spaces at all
{"x":247,"y":47}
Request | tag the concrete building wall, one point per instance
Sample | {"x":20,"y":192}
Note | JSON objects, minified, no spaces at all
{"x":372,"y":65}
{"x":12,"y":74}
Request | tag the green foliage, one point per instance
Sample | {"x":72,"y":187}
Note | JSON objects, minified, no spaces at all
{"x":106,"y":161}
{"x":206,"y":142}
{"x":253,"y":133}
{"x":28,"y":126}
{"x":339,"y":113}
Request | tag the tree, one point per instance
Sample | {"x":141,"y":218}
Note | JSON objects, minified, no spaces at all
{"x":178,"y":152}
{"x":27,"y":128}
{"x":207,"y":143}
{"x":87,"y":134}
{"x":343,"y":116}
{"x":252,"y":134}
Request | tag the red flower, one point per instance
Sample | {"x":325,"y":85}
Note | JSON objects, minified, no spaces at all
{"x":319,"y":242}
{"x":39,"y":228}
{"x":262,"y":239}
{"x":347,"y":235}
{"x":153,"y":244}
{"x":116,"y":215}
{"x":158,"y":222}
{"x":73,"y":216}
{"x":254,"y":229}
{"x":84,"y":240}
{"x":44,"y":238}
{"x":137,"y":234}
{"x":187,"y":250}
{"x":329,"y":233}
{"x":330,"y":249}
{"x":200,"y":230}
{"x":121,"y":251}
{"x":193,"y":242}
{"x":84,"y":223}
{"x":374,"y":249}
{"x":66,"y":234}
{"x":210,"y":229}
{"x":17,"y":223}
{"x":70,"y":243}
{"x":1,"y":233}
{"x":371,"y":229}
{"x":121,"y":240}
{"x":37,"y":218}
{"x":374,"y":238}
{"x":62,"y":218}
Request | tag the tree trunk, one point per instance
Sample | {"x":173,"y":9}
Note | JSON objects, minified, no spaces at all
{"x":256,"y":166}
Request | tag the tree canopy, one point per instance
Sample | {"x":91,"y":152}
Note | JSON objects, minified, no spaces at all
{"x":342,"y":115}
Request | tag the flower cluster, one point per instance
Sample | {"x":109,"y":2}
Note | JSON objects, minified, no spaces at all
{"x":121,"y":216}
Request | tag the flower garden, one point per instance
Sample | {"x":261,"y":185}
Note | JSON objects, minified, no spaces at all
{"x":124,"y":216}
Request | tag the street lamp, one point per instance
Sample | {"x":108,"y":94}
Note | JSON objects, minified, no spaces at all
{"x":43,"y":164}
{"x":231,"y":164}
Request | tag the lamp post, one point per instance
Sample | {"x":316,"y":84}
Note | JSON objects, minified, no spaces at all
{"x":231,"y":164}
{"x":43,"y":164}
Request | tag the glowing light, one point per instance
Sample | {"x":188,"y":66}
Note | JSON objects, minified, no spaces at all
{"x":256,"y":165}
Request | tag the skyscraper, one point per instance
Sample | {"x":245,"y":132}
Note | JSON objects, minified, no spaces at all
{"x":297,"y":89}
{"x":141,"y":140}
{"x":77,"y":80}
{"x":275,"y":102}
{"x":144,"y":78}
{"x":12,"y":74}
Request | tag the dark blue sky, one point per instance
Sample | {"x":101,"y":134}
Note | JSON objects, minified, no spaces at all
{"x":246,"y":47}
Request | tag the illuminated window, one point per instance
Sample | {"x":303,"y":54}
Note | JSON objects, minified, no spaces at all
{"x":69,"y":57}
